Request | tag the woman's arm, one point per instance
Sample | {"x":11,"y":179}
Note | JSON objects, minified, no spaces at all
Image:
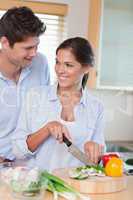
{"x":34,"y":140}
{"x":54,"y":128}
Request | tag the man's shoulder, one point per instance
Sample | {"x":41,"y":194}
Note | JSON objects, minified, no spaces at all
{"x":40,"y":55}
{"x":39,"y":58}
{"x":36,"y":94}
{"x":41,"y":90}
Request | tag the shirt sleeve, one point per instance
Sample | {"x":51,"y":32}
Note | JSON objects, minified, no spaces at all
{"x":20,"y":147}
{"x":45,"y":70}
{"x":98,"y":135}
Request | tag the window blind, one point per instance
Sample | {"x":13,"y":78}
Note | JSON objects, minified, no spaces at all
{"x":56,"y":32}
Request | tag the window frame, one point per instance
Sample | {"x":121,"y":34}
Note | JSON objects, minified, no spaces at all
{"x":94,"y":36}
{"x":38,"y":7}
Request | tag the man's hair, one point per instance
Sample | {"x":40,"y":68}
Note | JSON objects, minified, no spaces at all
{"x":18,"y":23}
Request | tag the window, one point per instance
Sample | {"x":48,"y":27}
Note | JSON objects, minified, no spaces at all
{"x":110,"y":31}
{"x":116,"y":45}
{"x":54,"y":35}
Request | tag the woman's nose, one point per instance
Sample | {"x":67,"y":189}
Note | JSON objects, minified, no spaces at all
{"x":61,"y":68}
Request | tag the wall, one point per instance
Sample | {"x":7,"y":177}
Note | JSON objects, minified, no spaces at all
{"x":77,"y":18}
{"x":118,"y":114}
{"x":118,"y":104}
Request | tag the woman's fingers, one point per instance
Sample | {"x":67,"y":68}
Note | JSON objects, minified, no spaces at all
{"x":93,"y":150}
{"x":66,"y":133}
{"x":60,"y":134}
{"x":97,"y":153}
{"x":63,"y":131}
{"x":57,"y":130}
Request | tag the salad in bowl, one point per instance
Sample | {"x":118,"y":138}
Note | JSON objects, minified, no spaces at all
{"x":23,"y":182}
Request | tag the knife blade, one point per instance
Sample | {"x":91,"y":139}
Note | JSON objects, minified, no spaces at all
{"x":77,"y":153}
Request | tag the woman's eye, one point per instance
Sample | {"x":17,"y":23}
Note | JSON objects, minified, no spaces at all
{"x":69,"y":65}
{"x":56,"y":62}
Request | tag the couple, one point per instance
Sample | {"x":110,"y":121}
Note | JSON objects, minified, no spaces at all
{"x":49,"y":111}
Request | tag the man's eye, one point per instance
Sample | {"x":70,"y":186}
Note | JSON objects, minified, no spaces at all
{"x":29,"y":48}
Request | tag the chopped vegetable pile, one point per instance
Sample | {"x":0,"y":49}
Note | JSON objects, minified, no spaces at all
{"x":86,"y":171}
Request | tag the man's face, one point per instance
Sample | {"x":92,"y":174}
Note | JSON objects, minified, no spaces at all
{"x":22,"y":53}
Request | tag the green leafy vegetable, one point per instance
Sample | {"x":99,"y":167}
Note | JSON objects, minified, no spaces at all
{"x":84,"y":172}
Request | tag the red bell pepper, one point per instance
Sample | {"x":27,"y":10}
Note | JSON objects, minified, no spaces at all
{"x":105,"y":158}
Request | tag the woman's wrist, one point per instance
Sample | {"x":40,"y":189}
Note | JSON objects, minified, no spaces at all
{"x":45,"y":131}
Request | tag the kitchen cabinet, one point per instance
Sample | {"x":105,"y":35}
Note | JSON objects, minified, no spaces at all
{"x":110,"y":32}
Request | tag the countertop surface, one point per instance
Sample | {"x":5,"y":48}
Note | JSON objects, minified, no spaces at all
{"x":126,"y":194}
{"x":126,"y":144}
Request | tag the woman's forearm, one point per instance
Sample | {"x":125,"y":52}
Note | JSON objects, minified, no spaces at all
{"x":36,"y":139}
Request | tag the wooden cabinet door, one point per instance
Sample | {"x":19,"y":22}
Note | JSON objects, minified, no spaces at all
{"x":94,"y":35}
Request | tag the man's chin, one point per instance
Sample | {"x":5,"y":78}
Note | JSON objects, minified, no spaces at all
{"x":27,"y":62}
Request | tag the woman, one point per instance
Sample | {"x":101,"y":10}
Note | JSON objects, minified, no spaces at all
{"x":66,"y":108}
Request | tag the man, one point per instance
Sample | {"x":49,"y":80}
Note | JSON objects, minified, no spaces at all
{"x":21,"y":68}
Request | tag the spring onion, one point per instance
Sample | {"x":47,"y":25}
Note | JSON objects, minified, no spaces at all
{"x":60,"y":187}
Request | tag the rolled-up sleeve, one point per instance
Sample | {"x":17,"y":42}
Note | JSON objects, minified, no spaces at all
{"x":98,"y":135}
{"x":23,"y":130}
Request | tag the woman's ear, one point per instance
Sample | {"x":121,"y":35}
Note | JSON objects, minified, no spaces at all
{"x":92,"y":77}
{"x":86,"y":69}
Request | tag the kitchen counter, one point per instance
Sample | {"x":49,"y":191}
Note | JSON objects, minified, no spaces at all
{"x":128,"y":145}
{"x":126,"y":194}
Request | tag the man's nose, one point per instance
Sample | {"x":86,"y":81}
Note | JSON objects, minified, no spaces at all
{"x":33,"y":52}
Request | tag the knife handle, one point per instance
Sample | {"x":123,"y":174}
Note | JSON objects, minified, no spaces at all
{"x":66,"y":141}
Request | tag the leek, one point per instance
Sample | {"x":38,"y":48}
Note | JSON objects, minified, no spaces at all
{"x":60,"y":187}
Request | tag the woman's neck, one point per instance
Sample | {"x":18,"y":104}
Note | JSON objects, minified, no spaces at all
{"x":70,"y":91}
{"x":69,"y":98}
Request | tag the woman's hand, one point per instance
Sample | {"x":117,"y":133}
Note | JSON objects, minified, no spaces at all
{"x":93,"y":150}
{"x":57,"y":130}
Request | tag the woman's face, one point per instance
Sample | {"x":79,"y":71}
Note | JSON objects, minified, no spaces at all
{"x":68,"y":70}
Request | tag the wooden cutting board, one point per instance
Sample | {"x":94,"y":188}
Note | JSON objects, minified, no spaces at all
{"x":94,"y":184}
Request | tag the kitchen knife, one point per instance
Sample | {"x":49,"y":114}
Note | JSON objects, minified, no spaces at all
{"x":5,"y":162}
{"x":77,"y":153}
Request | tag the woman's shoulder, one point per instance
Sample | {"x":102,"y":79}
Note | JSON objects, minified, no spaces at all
{"x":92,"y":99}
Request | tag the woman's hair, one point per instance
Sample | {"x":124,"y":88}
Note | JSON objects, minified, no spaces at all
{"x":82,"y":51}
{"x":18,"y":23}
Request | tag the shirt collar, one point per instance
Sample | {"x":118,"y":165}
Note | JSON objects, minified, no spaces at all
{"x":1,"y":76}
{"x":53,"y":94}
{"x":27,"y":69}
{"x":83,"y":98}
{"x":24,"y":73}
